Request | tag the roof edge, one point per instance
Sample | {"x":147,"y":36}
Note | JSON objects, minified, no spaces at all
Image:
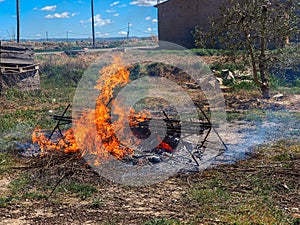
{"x":161,"y":3}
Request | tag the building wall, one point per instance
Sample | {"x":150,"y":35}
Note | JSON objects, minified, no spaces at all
{"x":178,"y":18}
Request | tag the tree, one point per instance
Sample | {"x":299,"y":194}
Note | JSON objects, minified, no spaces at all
{"x":255,"y":26}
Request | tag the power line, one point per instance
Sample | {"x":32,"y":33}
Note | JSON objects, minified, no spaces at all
{"x":140,"y":31}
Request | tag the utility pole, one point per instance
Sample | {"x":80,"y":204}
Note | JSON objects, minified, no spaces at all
{"x":18,"y":21}
{"x":128,"y":30}
{"x":47,"y":36}
{"x":67,"y":36}
{"x":93,"y":23}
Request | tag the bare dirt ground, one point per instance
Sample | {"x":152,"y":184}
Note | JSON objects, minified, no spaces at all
{"x":264,"y":189}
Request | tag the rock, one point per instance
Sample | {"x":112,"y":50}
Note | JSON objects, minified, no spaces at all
{"x":228,"y":77}
{"x":278,"y":96}
{"x":154,"y":159}
{"x":217,"y":73}
{"x":220,"y":81}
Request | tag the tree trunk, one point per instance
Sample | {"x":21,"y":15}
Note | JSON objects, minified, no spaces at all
{"x":265,"y":92}
{"x":262,"y":57}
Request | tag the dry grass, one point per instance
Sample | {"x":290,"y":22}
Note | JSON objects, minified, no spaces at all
{"x":262,"y":190}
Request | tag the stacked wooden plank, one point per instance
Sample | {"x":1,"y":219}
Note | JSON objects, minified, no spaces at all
{"x":16,"y":54}
{"x":16,"y":63}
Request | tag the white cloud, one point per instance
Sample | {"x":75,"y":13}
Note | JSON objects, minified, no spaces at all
{"x":110,"y":10}
{"x":116,"y":14}
{"x":114,"y":3}
{"x":122,"y":6}
{"x":64,"y":15}
{"x":148,"y":18}
{"x":123,"y":32}
{"x":74,"y":14}
{"x":154,"y":21}
{"x":49,"y":8}
{"x":101,"y":34}
{"x":144,"y":2}
{"x":2,"y":1}
{"x":98,"y":21}
{"x":149,"y":29}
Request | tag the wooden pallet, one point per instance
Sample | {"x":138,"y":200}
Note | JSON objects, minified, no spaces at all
{"x":5,"y":69}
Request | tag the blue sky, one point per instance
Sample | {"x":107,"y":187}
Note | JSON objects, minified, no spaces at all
{"x":57,"y":17}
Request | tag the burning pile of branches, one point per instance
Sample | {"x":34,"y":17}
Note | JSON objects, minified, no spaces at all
{"x":106,"y":144}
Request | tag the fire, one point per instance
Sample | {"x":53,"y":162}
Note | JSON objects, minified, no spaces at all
{"x":115,"y":75}
{"x":112,"y":76}
{"x":164,"y":145}
{"x":67,"y":144}
{"x":106,"y":143}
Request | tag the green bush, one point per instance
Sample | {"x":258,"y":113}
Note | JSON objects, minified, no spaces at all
{"x":61,"y":75}
{"x":245,"y":85}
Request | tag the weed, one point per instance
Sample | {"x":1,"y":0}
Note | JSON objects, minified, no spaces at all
{"x":255,"y":115}
{"x":82,"y":191}
{"x":5,"y":162}
{"x":61,"y":75}
{"x":227,"y":66}
{"x":245,"y":85}
{"x":282,"y":157}
{"x":231,"y":116}
{"x":96,"y":204}
{"x":34,"y":195}
{"x":162,"y":222}
{"x":4,"y":201}
{"x":208,"y":195}
{"x":19,"y":185}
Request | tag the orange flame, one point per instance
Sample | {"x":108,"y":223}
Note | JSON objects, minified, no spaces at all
{"x":105,"y":143}
{"x":67,"y":144}
{"x":112,"y":76}
{"x":164,"y":145}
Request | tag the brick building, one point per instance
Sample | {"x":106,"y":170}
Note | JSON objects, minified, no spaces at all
{"x":178,"y":18}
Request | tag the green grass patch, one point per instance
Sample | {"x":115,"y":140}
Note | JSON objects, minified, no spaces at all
{"x":82,"y":191}
{"x":254,"y":192}
{"x":6,"y":161}
{"x":233,"y":116}
{"x":255,"y":115}
{"x":20,"y":185}
{"x":4,"y":201}
{"x":96,"y":204}
{"x":245,"y":86}
{"x":228,"y":66}
{"x":35,"y":196}
{"x":11,"y":120}
{"x":162,"y":222}
{"x":61,"y":75}
{"x":208,"y":195}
